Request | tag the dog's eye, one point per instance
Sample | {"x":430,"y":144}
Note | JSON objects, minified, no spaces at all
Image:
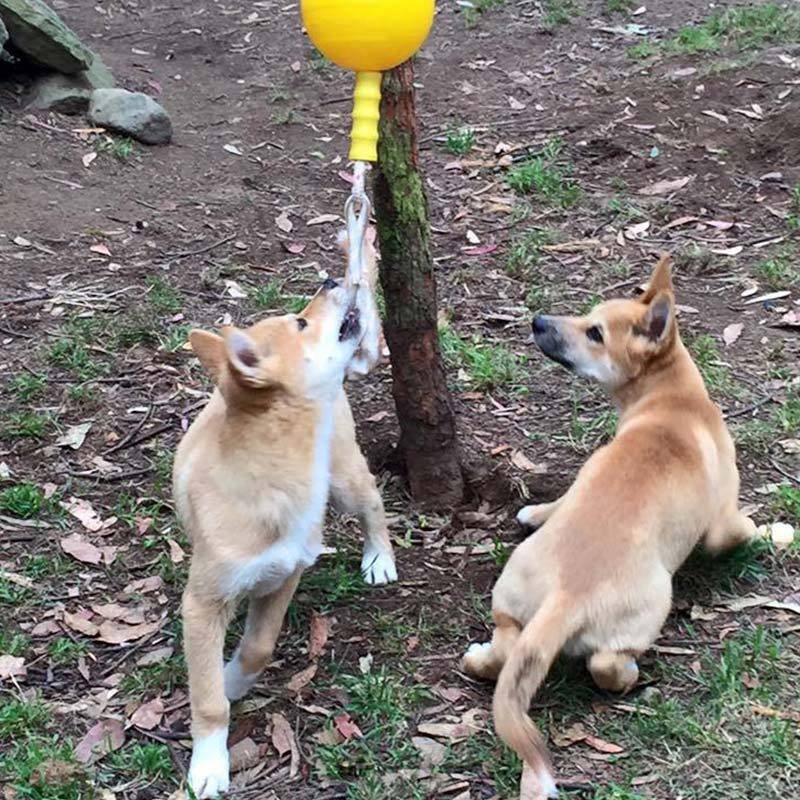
{"x":302,"y":324}
{"x":594,"y":334}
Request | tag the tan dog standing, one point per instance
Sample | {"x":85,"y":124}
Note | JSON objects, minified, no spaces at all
{"x":596,"y":579}
{"x":251,"y":483}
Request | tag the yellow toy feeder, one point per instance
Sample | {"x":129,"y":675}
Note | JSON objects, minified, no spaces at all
{"x":367,"y":36}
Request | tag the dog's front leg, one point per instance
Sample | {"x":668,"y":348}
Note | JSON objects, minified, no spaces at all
{"x":204,"y":622}
{"x":535,"y":516}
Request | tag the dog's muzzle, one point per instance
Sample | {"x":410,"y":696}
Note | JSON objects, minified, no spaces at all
{"x":548,"y":339}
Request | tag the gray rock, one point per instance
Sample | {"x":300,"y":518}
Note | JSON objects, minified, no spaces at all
{"x":3,"y":34}
{"x":132,"y":113}
{"x":69,"y":94}
{"x":38,"y":32}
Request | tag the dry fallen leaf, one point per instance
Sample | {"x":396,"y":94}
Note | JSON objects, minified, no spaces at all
{"x":318,"y":637}
{"x":665,"y":186}
{"x":284,"y":742}
{"x":302,"y":679}
{"x":12,"y":666}
{"x":284,"y":223}
{"x":232,"y":149}
{"x":156,"y":656}
{"x":119,"y":633}
{"x":81,"y":623}
{"x":244,"y":755}
{"x":602,"y":746}
{"x":148,"y":716}
{"x":732,"y":332}
{"x":176,"y":552}
{"x":87,"y":158}
{"x":101,"y":249}
{"x":75,"y":436}
{"x":433,"y":752}
{"x":102,"y":738}
{"x":233,"y":289}
{"x":81,"y":549}
{"x":569,"y":736}
{"x":82,"y":511}
{"x":322,"y":219}
{"x":145,"y":585}
{"x":521,"y":461}
{"x":346,"y":727}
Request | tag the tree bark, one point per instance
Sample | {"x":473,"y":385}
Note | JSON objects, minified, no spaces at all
{"x":428,"y":438}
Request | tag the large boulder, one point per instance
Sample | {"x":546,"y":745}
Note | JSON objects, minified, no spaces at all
{"x":132,"y":113}
{"x":37,"y":32}
{"x":69,"y":94}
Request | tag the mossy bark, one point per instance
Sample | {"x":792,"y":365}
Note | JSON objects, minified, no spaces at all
{"x":428,"y":437}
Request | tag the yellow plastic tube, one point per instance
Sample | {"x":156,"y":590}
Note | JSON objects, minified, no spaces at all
{"x":366,"y":114}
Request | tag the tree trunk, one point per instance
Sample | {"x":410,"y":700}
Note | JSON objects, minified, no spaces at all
{"x":428,"y":441}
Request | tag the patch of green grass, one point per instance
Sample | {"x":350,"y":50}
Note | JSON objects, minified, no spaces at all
{"x":294,"y":304}
{"x":13,"y":643}
{"x":381,"y":703}
{"x":24,"y":500}
{"x":119,"y":147}
{"x":787,"y":416}
{"x":614,"y":791}
{"x":643,"y":51}
{"x":625,"y":211}
{"x":26,"y":386}
{"x":559,"y":12}
{"x":175,"y":338}
{"x":335,"y":580}
{"x":13,"y":594}
{"x":753,"y":435}
{"x":589,"y":429}
{"x":619,"y":6}
{"x":781,"y":270}
{"x":786,"y":503}
{"x":793,"y":219}
{"x":716,"y":374}
{"x":24,"y":425}
{"x":487,"y":366}
{"x":149,"y":761}
{"x":64,"y":650}
{"x":22,"y":718}
{"x":525,"y":251}
{"x":319,"y":63}
{"x":162,"y":297}
{"x":39,"y":767}
{"x":547,"y":176}
{"x":40,"y":567}
{"x":460,"y":142}
{"x":472,"y":13}
{"x":156,"y":678}
{"x":538,"y":298}
{"x":267,"y":296}
{"x":484,"y":754}
{"x":71,"y":351}
{"x":139,"y":326}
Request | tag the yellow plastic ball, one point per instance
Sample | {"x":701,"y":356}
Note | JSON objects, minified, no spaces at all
{"x":367,"y":35}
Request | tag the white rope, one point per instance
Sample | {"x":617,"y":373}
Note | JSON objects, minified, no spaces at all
{"x":356,"y":214}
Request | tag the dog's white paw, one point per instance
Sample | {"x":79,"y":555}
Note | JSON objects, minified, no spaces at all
{"x":237,"y":682}
{"x":378,"y":567}
{"x":209,"y":770}
{"x":477,"y":649}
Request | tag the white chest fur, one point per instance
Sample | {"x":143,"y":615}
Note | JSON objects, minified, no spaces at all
{"x":301,"y":544}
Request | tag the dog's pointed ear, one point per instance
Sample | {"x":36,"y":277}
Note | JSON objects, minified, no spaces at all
{"x":659,"y":320}
{"x":210,"y":349}
{"x":660,"y":280}
{"x":249,"y":364}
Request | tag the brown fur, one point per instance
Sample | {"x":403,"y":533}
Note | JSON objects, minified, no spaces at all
{"x":596,"y":579}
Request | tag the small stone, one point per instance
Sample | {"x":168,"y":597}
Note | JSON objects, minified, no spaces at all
{"x":69,"y":94}
{"x":37,"y":32}
{"x":132,"y":113}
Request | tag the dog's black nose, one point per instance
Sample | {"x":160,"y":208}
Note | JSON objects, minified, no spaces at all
{"x":330,"y":284}
{"x":540,"y":323}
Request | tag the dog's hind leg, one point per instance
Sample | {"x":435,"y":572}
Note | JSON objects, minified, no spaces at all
{"x":354,"y":491}
{"x":732,"y":530}
{"x":264,"y":620}
{"x":614,"y":671}
{"x":204,"y":622}
{"x":485,"y":660}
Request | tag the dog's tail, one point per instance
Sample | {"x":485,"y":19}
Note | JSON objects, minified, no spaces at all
{"x":530,"y":660}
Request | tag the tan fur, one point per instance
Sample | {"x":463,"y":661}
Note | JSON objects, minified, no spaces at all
{"x":251,"y":481}
{"x":596,"y":579}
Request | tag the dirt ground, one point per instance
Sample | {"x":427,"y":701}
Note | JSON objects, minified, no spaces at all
{"x":635,"y":143}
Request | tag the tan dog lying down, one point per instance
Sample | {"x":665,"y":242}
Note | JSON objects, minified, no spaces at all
{"x":596,"y":580}
{"x":251,"y":484}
